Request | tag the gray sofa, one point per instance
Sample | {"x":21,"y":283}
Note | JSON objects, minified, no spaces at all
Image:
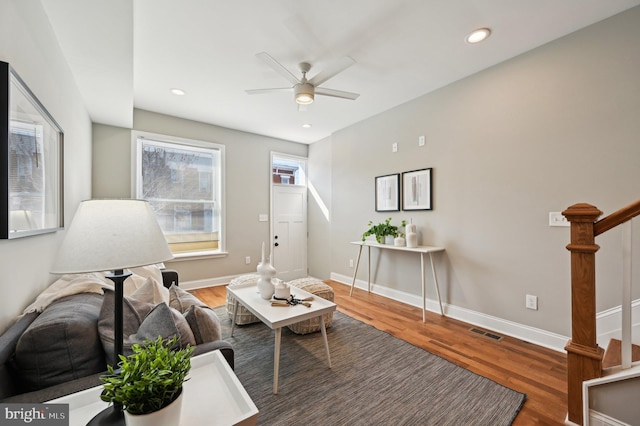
{"x":73,"y":357}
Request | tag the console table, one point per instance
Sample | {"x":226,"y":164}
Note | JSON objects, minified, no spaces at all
{"x":420,"y":249}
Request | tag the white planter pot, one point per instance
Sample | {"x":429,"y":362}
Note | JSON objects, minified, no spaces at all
{"x":167,"y":416}
{"x":388,"y":239}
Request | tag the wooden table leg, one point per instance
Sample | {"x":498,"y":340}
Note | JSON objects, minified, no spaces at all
{"x":326,"y":341}
{"x":276,"y":359}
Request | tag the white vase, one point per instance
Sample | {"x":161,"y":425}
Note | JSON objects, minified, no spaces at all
{"x":412,"y":235}
{"x":266,"y":272}
{"x":388,"y":239}
{"x":167,"y":416}
{"x":399,"y":242}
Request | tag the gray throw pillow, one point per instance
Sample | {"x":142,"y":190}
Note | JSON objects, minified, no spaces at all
{"x":204,"y":323}
{"x":181,"y":300}
{"x":141,"y":321}
{"x":61,"y":344}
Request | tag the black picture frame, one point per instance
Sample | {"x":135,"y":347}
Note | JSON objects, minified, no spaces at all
{"x":387,"y":190}
{"x":31,"y":160}
{"x":417,"y":190}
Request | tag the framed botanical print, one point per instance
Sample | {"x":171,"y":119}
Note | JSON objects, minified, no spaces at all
{"x":388,"y":193}
{"x":417,"y":190}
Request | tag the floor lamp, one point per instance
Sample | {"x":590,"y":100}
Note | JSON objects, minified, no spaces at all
{"x":112,"y":235}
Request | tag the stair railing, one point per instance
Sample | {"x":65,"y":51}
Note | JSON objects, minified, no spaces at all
{"x":584,"y":356}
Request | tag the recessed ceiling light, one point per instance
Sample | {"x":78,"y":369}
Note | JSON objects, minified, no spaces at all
{"x":178,"y":92}
{"x":306,"y":125}
{"x":478,"y":35}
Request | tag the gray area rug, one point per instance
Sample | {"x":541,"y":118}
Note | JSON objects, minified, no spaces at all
{"x":375,"y":379}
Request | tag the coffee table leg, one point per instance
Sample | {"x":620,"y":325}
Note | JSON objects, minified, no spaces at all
{"x":326,"y":341}
{"x":233,"y":318}
{"x":276,"y":360}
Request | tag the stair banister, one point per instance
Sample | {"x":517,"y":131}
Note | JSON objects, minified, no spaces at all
{"x":584,"y":356}
{"x":626,"y":354}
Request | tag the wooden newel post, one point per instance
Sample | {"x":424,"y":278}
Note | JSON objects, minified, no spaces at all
{"x":584,"y":356}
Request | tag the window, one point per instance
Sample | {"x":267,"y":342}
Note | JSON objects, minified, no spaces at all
{"x":288,"y":170}
{"x":182,"y":180}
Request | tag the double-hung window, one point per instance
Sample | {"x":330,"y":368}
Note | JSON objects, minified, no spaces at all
{"x":183,"y":181}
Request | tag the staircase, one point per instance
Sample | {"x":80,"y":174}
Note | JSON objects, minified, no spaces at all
{"x":586,"y":366}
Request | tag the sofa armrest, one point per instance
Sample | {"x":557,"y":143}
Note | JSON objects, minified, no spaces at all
{"x":222,"y":345}
{"x":8,"y":341}
{"x":57,"y":391}
{"x":169,"y":276}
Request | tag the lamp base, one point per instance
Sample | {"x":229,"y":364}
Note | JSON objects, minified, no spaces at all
{"x":109,"y":416}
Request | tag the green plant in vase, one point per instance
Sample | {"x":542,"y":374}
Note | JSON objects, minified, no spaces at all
{"x":149,"y":379}
{"x":381,"y":230}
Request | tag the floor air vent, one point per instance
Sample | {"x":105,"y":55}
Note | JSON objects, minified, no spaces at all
{"x":486,"y":333}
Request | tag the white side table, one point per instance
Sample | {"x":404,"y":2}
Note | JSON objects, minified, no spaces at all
{"x":420,"y":249}
{"x":213,"y":395}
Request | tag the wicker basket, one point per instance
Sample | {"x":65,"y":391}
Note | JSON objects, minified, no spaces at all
{"x":244,"y":316}
{"x":319,"y":289}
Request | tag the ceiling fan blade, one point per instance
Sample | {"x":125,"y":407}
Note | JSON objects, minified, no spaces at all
{"x":336,"y":93}
{"x":333,"y":69}
{"x":278,"y":67}
{"x":276,"y":89}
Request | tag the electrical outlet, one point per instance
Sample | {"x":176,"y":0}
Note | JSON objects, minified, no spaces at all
{"x":394,"y":147}
{"x":350,"y":263}
{"x":531,"y":302}
{"x":421,"y":141}
{"x":247,"y":260}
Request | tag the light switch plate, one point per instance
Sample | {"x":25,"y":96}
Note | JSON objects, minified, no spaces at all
{"x":394,"y":147}
{"x":557,"y":219}
{"x":263,"y":218}
{"x":421,"y":141}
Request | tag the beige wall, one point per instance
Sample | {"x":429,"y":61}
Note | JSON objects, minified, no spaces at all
{"x":27,"y":42}
{"x":247,"y":178}
{"x":538,"y":133}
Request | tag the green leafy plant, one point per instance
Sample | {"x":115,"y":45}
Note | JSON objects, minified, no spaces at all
{"x":381,"y":230}
{"x":150,"y":378}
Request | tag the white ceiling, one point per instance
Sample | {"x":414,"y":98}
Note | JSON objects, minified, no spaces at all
{"x":127,"y":54}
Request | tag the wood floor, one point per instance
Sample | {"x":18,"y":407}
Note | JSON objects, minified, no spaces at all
{"x":538,"y":372}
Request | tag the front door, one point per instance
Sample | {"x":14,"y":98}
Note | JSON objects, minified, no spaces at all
{"x":289,"y":216}
{"x":289,"y":245}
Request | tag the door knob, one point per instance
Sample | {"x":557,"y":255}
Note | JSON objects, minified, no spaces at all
{"x":276,"y":244}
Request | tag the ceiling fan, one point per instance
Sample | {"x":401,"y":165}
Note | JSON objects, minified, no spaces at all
{"x":305,"y":90}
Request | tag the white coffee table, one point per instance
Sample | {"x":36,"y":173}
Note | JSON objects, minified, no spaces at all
{"x":213,"y":395}
{"x":276,"y":317}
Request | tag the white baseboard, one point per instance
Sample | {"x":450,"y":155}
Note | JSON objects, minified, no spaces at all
{"x":212,"y":282}
{"x":533,"y":335}
{"x":209,"y":282}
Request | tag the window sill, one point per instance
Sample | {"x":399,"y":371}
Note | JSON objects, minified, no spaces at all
{"x":199,"y":255}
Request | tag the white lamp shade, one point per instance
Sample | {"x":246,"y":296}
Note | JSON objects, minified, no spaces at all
{"x":111,"y":234}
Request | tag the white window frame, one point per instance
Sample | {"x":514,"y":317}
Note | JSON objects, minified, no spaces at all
{"x":136,"y":184}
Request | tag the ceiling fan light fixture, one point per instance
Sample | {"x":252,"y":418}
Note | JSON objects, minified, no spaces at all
{"x":304,"y":93}
{"x":478,"y":35}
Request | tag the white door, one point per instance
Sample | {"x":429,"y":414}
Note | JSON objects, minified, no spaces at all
{"x":289,"y":237}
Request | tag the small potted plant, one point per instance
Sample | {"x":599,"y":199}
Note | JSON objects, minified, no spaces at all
{"x":149,"y":380}
{"x":381,"y":231}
